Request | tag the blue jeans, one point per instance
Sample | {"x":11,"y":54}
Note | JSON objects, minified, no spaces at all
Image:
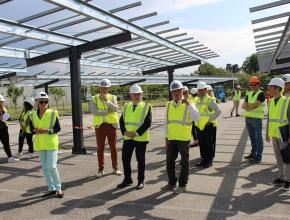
{"x":254,"y":127}
{"x":48,"y":160}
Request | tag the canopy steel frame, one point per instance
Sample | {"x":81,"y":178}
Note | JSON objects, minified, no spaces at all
{"x":132,"y":82}
{"x":7,"y":75}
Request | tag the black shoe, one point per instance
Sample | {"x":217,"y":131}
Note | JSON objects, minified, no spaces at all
{"x":207,"y":165}
{"x":48,"y":194}
{"x":231,"y":114}
{"x":237,"y":115}
{"x":286,"y":186}
{"x":278,"y":182}
{"x":125,"y":184}
{"x":140,"y":186}
{"x":255,"y":160}
{"x":200,"y":163}
{"x":60,"y":195}
{"x":250,"y":156}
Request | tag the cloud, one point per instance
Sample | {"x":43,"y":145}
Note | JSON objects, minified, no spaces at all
{"x":233,"y":44}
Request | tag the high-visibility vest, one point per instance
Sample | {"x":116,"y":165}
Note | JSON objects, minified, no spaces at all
{"x":202,"y":106}
{"x":257,"y":112}
{"x":277,"y":116}
{"x":134,"y":119}
{"x":215,"y":122}
{"x":102,"y":115}
{"x":237,"y":95}
{"x":192,"y":99}
{"x":179,"y":124}
{"x":45,"y":141}
{"x":24,"y":122}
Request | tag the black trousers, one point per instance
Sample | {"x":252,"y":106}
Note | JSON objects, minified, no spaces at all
{"x":4,"y":138}
{"x":21,"y":138}
{"x":127,"y":151}
{"x":172,"y":151}
{"x":205,"y":138}
{"x":193,"y":131}
{"x":214,"y":139}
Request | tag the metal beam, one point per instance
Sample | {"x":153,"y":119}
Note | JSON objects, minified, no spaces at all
{"x":273,"y":17}
{"x":132,"y":82}
{"x":8,"y":75}
{"x":99,"y":14}
{"x":269,"y":5}
{"x":267,"y":34}
{"x":189,"y":81}
{"x":283,"y":60}
{"x":274,"y":43}
{"x":177,"y":66}
{"x":9,"y":69}
{"x":267,"y":40}
{"x":269,"y":27}
{"x":46,"y":84}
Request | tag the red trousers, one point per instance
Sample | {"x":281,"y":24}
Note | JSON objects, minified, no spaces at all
{"x":106,"y":130}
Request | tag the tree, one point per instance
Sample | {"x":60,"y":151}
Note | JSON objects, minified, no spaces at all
{"x":57,"y":93}
{"x":250,"y":65}
{"x":13,"y":93}
{"x":233,"y":68}
{"x":207,"y":69}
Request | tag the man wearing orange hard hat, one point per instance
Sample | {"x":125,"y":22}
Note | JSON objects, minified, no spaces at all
{"x":254,"y":106}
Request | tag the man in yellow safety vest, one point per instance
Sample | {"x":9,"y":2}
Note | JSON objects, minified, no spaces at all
{"x":236,"y":100}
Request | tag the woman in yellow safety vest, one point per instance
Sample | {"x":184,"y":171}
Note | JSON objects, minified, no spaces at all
{"x":236,"y":100}
{"x":24,"y":132}
{"x":44,"y":124}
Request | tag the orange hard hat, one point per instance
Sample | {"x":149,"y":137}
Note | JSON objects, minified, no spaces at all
{"x":255,"y":79}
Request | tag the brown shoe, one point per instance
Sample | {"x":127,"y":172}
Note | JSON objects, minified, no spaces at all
{"x":48,"y":194}
{"x":60,"y":195}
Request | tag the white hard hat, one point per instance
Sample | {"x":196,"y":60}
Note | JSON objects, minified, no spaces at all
{"x":30,"y":101}
{"x":201,"y":85}
{"x":193,"y":91}
{"x":208,"y":87}
{"x":286,"y":78}
{"x":41,"y":95}
{"x":185,"y":88}
{"x":2,"y":98}
{"x":277,"y":82}
{"x":135,"y":89}
{"x":105,"y":83}
{"x":238,"y":86}
{"x":176,"y":84}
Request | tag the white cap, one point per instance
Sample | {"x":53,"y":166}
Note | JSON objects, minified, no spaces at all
{"x":176,"y":84}
{"x":193,"y":91}
{"x":185,"y":88}
{"x":135,"y":89}
{"x":2,"y":98}
{"x":238,"y":86}
{"x":41,"y":95}
{"x":201,"y":85}
{"x":105,"y":83}
{"x":286,"y":78}
{"x":30,"y":101}
{"x":208,"y":87}
{"x":277,"y":82}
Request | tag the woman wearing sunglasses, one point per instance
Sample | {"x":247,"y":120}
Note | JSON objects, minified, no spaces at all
{"x":45,"y":125}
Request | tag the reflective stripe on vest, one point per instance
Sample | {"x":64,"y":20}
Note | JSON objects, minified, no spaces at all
{"x":277,"y":116}
{"x":237,"y":95}
{"x":45,"y":141}
{"x":134,"y":119}
{"x":179,"y":124}
{"x":102,"y":115}
{"x":202,"y":106}
{"x":257,"y":112}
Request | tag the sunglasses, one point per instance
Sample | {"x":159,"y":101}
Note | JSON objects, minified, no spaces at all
{"x":43,"y":102}
{"x":254,"y":84}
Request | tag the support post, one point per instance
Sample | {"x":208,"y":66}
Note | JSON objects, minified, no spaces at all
{"x":170,"y":79}
{"x":77,"y":121}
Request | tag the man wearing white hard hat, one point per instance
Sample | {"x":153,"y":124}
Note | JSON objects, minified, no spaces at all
{"x":24,"y":132}
{"x":105,"y":121}
{"x":286,"y":79}
{"x":178,"y":124}
{"x":278,"y":122}
{"x":4,"y":134}
{"x":236,"y":100}
{"x":135,"y":122}
{"x":209,"y":111}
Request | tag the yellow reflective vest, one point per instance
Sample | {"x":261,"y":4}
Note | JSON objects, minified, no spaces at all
{"x":192,"y":99}
{"x":102,"y":114}
{"x":134,"y":119}
{"x":257,"y":112}
{"x":24,"y":121}
{"x":45,"y":141}
{"x":277,"y":116}
{"x":237,"y":95}
{"x":215,"y":122}
{"x":179,"y":124}
{"x":203,"y":108}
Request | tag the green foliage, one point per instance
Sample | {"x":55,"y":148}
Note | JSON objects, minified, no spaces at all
{"x":207,"y":69}
{"x":250,"y":65}
{"x":57,"y":93}
{"x":13,"y":93}
{"x":233,"y":68}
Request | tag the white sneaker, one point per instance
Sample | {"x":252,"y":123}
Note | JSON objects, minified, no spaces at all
{"x":117,"y":172}
{"x":13,"y":160}
{"x":179,"y":190}
{"x":29,"y":155}
{"x":100,"y":173}
{"x":19,"y":155}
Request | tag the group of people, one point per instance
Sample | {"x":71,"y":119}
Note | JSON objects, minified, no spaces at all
{"x":191,"y":115}
{"x":187,"y":116}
